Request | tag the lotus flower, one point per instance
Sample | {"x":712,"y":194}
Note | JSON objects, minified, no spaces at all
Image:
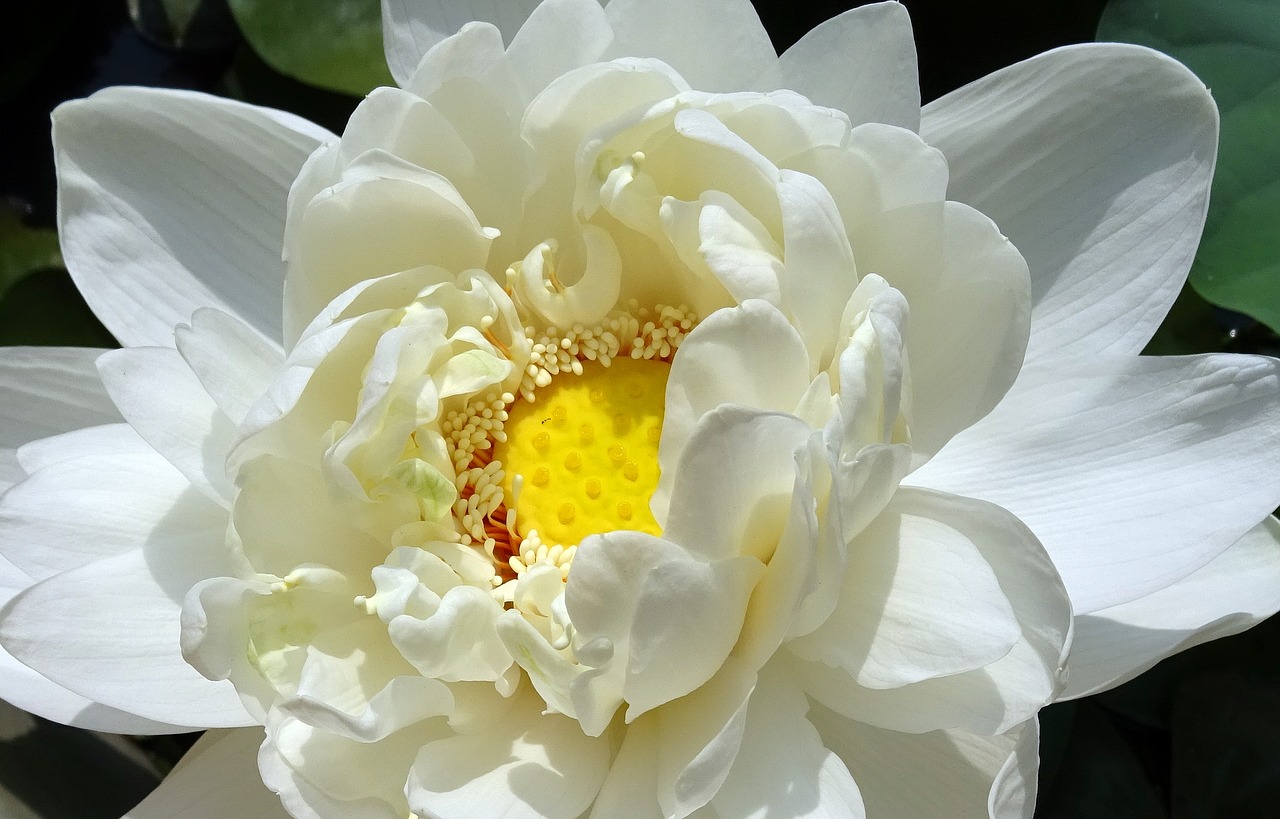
{"x":621,"y":420}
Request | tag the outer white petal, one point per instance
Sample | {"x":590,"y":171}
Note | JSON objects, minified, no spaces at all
{"x":783,"y":768}
{"x":1235,"y":591}
{"x":108,"y":494}
{"x":28,"y":690}
{"x":717,"y":45}
{"x":170,"y":201}
{"x":217,"y":778}
{"x":1118,"y":465}
{"x":1096,"y":161}
{"x":166,"y":404}
{"x":943,"y":773}
{"x":411,"y":27}
{"x":45,"y":391}
{"x":524,"y":764}
{"x":109,"y":632}
{"x":862,"y":62}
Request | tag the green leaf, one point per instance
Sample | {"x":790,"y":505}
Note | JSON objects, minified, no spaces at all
{"x":335,"y":44}
{"x":24,"y":249}
{"x":1234,"y":47}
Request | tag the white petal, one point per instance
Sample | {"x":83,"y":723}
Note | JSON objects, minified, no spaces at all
{"x":820,"y":274}
{"x":163,"y":400}
{"x":475,"y":52}
{"x":721,"y":240}
{"x":92,"y":503}
{"x":559,"y":35}
{"x":284,"y":518}
{"x":698,"y":739}
{"x":717,"y":45}
{"x":630,"y":789}
{"x":218,"y":777}
{"x":328,"y":685}
{"x":919,"y":599}
{"x":1235,"y":591}
{"x":944,"y":773}
{"x":672,"y":616}
{"x":109,"y":631}
{"x":385,"y":216}
{"x":521,"y":764}
{"x":45,"y":391}
{"x":783,"y":768}
{"x":459,"y":641}
{"x":862,"y":62}
{"x":412,"y":27}
{"x":796,"y":593}
{"x":1132,"y":472}
{"x":170,"y":201}
{"x":732,"y":488}
{"x":1096,"y":160}
{"x":28,"y":690}
{"x":998,"y":696}
{"x":688,"y":618}
{"x":320,"y":775}
{"x":871,"y":371}
{"x":968,"y":329}
{"x":749,"y":355}
{"x":234,"y":365}
{"x":465,"y":129}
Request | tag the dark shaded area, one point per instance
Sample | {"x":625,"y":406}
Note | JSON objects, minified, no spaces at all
{"x":66,"y":773}
{"x":46,"y":309}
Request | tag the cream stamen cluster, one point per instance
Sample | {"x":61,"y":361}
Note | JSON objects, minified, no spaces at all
{"x":640,"y":333}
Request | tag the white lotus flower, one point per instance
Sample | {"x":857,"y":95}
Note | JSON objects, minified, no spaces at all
{"x":633,"y":427}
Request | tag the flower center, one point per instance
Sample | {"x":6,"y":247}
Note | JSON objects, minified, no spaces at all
{"x":586,"y":452}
